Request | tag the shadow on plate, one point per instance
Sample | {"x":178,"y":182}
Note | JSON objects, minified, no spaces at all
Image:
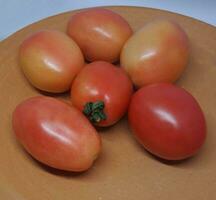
{"x":184,"y":163}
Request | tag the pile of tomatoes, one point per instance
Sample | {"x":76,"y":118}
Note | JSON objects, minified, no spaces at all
{"x":164,"y":118}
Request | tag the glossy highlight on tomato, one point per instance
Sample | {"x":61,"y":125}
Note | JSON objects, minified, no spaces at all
{"x":100,"y":33}
{"x":50,"y":60}
{"x":158,"y":52}
{"x":102,"y":91}
{"x":56,"y":134}
{"x":167,"y":121}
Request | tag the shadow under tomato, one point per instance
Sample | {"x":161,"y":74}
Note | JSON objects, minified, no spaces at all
{"x":64,"y":95}
{"x":57,"y":172}
{"x":68,"y":174}
{"x":54,"y":171}
{"x":103,"y":130}
{"x":117,"y":63}
{"x":107,"y":129}
{"x":174,"y":163}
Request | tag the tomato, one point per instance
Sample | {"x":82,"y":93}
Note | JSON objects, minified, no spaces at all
{"x":100,"y":33}
{"x":50,"y":60}
{"x":56,"y":134}
{"x":102,"y":91}
{"x":167,"y":121}
{"x":158,"y":52}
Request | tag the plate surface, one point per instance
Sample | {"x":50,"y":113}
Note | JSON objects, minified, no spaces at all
{"x":124,"y":170}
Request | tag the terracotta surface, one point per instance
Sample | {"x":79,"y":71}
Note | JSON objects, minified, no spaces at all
{"x":124,"y":170}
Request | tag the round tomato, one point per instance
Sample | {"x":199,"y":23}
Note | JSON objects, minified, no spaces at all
{"x":56,"y":134}
{"x":158,"y":52}
{"x":50,"y":60}
{"x":102,"y":91}
{"x":167,"y":121}
{"x":100,"y":33}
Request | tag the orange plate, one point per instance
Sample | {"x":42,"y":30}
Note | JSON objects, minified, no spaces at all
{"x":124,"y":171}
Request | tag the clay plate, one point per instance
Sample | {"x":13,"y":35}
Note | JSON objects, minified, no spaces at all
{"x":124,"y":171}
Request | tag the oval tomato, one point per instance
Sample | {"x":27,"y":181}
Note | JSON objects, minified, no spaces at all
{"x":167,"y":121}
{"x":158,"y":52}
{"x":56,"y":134}
{"x":50,"y":60}
{"x":102,"y":91}
{"x":100,"y":33}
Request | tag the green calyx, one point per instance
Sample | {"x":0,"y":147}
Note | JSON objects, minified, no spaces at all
{"x":95,"y":111}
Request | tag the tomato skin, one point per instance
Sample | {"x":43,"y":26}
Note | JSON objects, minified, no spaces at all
{"x":56,"y":134}
{"x":158,"y":52}
{"x":100,"y":33}
{"x":50,"y":60}
{"x":102,"y":81}
{"x":167,"y":121}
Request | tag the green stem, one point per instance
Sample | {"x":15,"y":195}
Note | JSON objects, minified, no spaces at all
{"x":95,"y":111}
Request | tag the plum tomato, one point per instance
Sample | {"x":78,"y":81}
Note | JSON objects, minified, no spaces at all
{"x":158,"y":52}
{"x":56,"y":134}
{"x":102,"y":92}
{"x":50,"y":60}
{"x":167,"y":121}
{"x":100,"y":33}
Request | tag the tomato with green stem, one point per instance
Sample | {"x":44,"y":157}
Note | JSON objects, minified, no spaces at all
{"x":102,"y":92}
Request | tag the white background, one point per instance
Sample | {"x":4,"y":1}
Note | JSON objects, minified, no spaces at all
{"x":15,"y":14}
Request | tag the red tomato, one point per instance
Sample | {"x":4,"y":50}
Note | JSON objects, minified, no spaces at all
{"x":100,"y":33}
{"x":102,"y":91}
{"x":158,"y":52}
{"x":50,"y":60}
{"x":167,"y":121}
{"x":56,"y":134}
